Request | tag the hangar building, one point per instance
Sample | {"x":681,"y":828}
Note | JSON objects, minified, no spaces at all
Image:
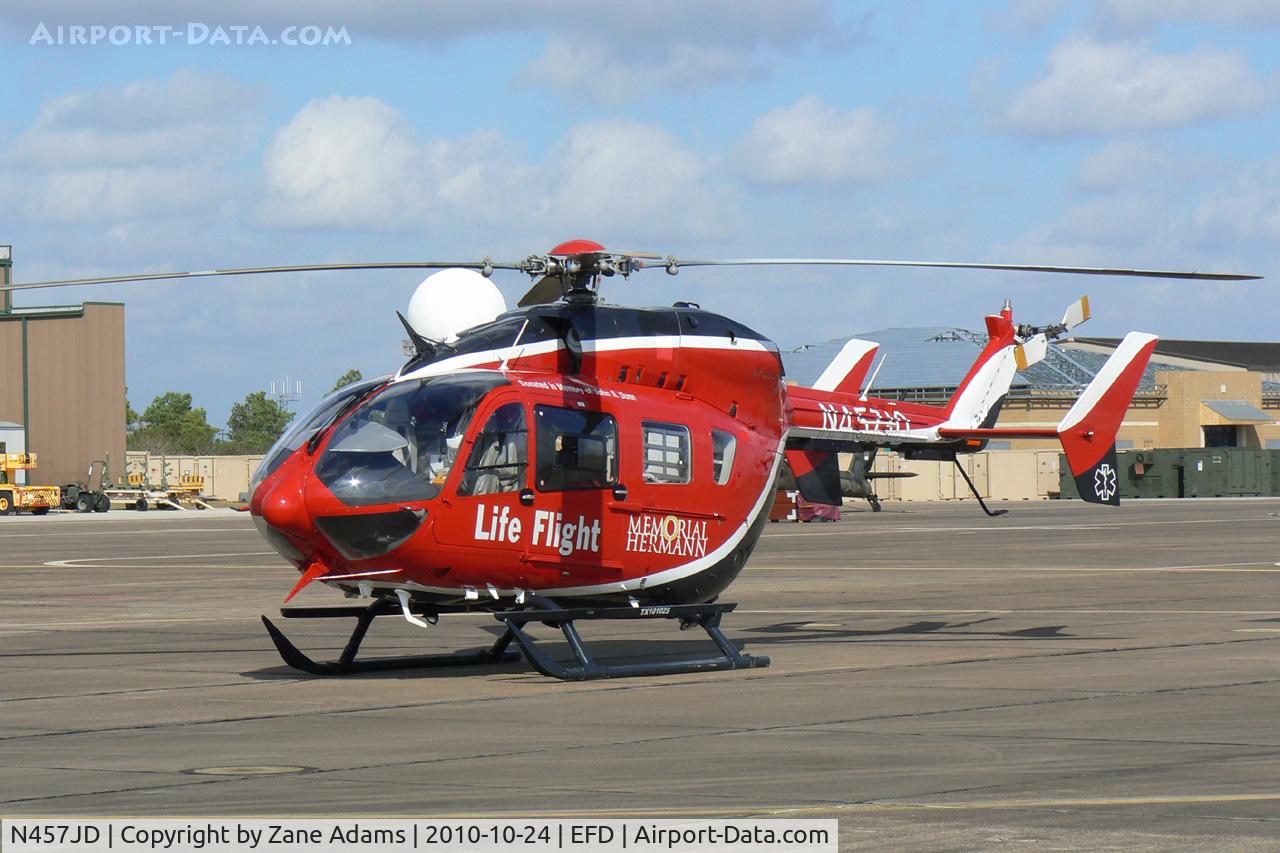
{"x":62,"y":383}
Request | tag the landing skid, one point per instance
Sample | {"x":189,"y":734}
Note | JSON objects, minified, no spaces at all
{"x":705,"y":616}
{"x":346,"y":664}
{"x":537,"y":609}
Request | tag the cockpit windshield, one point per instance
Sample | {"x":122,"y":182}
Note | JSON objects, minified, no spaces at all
{"x":309,"y":424}
{"x":401,"y":444}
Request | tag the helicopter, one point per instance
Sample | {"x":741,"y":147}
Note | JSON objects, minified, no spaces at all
{"x":857,"y":480}
{"x":570,"y":460}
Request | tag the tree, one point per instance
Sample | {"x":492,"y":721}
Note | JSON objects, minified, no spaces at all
{"x":255,"y":423}
{"x":171,"y":425}
{"x":350,"y":377}
{"x":130,"y":417}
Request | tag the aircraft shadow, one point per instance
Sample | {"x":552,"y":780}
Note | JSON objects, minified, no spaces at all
{"x":791,"y":632}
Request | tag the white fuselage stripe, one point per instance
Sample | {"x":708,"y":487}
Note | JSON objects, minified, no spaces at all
{"x":676,"y":342}
{"x":482,"y":358}
{"x":642,"y":342}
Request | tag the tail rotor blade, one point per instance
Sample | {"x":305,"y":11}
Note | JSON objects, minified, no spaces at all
{"x":1077,"y":313}
{"x":1031,"y":351}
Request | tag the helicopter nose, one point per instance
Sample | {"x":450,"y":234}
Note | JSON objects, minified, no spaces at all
{"x":284,"y":507}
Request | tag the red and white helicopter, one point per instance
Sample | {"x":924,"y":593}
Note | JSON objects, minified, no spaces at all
{"x":570,"y":460}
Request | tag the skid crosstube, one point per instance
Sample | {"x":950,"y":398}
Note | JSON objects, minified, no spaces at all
{"x":346,"y":664}
{"x":705,"y":616}
{"x":536,"y":609}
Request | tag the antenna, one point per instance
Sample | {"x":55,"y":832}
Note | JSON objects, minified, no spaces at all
{"x":512,"y":349}
{"x":874,"y":374}
{"x":290,"y":392}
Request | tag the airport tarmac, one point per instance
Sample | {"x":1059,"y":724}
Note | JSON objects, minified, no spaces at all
{"x":1064,"y":676}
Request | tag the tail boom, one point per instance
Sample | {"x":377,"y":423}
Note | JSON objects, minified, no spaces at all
{"x":1088,"y":430}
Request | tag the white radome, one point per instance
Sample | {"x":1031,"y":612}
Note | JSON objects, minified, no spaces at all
{"x":454,"y":299}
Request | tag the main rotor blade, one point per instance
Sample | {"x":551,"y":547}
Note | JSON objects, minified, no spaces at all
{"x":651,"y":256}
{"x":169,"y":276}
{"x":852,"y":262}
{"x":535,"y":264}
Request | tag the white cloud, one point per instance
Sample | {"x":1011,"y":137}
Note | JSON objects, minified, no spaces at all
{"x":356,"y":163}
{"x":1124,"y":163}
{"x":624,"y":176}
{"x":726,"y":22}
{"x":148,"y":149}
{"x":597,"y":71}
{"x":1029,"y":16}
{"x":1128,"y":221}
{"x":1142,"y":14}
{"x":1246,"y":206}
{"x":611,"y":52}
{"x":344,"y":161}
{"x":594,"y":50}
{"x":809,"y":142}
{"x":1231,"y":226}
{"x":1096,"y":87}
{"x":146,"y":122}
{"x":112,"y":195}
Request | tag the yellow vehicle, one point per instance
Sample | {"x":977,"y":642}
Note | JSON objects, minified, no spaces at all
{"x":14,"y":498}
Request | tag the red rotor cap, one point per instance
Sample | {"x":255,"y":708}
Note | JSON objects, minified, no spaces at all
{"x":577,"y":247}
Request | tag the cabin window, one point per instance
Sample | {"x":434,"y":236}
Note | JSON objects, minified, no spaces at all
{"x":576,"y":449}
{"x":724,"y":446}
{"x":666,"y":452}
{"x":499,"y":456}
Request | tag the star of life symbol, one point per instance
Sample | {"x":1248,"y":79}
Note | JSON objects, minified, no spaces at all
{"x":1104,"y":481}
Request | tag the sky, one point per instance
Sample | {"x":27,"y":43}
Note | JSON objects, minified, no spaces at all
{"x":1107,"y":133}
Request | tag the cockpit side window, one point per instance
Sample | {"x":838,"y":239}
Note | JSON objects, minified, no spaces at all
{"x":500,"y":455}
{"x":400,"y":445}
{"x":576,"y":449}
